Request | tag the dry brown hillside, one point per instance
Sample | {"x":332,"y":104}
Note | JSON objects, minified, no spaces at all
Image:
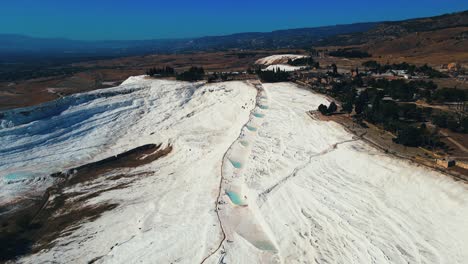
{"x":433,"y":40}
{"x":434,"y":47}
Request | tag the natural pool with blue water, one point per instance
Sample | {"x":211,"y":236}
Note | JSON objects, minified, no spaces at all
{"x":264,"y":245}
{"x":235,"y":198}
{"x":236,"y":164}
{"x":244,"y":143}
{"x":263,"y":106}
{"x":18,"y":176}
{"x":258,"y":115}
{"x":251,"y":128}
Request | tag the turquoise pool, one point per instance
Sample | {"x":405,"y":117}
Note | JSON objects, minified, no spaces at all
{"x":18,"y":176}
{"x":244,"y":143}
{"x":236,"y":164}
{"x":264,"y":245}
{"x":235,"y":198}
{"x":251,"y":128}
{"x":263,"y":106}
{"x":258,"y":115}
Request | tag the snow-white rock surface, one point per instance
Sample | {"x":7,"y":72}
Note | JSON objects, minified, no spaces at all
{"x":315,"y":194}
{"x":293,"y":189}
{"x":278,"y":59}
{"x":283,"y":67}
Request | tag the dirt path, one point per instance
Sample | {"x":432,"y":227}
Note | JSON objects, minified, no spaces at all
{"x":262,"y":196}
{"x":458,"y":144}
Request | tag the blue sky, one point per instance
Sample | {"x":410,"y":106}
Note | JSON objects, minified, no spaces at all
{"x":145,"y":19}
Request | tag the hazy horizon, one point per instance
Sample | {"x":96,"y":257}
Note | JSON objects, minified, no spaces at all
{"x":127,"y":20}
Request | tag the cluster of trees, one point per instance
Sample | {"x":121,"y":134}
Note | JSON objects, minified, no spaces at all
{"x":165,"y":71}
{"x":276,"y":75}
{"x":393,"y":116}
{"x":409,"y":68}
{"x":306,"y":61}
{"x":334,"y":71}
{"x":409,"y":91}
{"x":253,"y":70}
{"x":192,"y":74}
{"x":219,"y":76}
{"x":388,"y":104}
{"x":453,"y":122}
{"x":345,"y":92}
{"x":371,"y":105}
{"x":399,"y":119}
{"x":450,"y":95}
{"x":400,"y":89}
{"x":431,"y":72}
{"x":413,"y":136}
{"x":372,"y":65}
{"x":376,"y":67}
{"x":347,"y":53}
{"x":327,"y":110}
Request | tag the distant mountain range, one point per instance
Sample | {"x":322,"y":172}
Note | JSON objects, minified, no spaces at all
{"x":17,"y":47}
{"x":397,"y":29}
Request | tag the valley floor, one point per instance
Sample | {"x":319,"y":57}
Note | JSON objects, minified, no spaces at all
{"x":251,"y":178}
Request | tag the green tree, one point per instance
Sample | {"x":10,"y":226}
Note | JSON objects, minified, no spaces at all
{"x":193,"y":74}
{"x":332,"y":108}
{"x":334,"y":69}
{"x":409,"y":136}
{"x":323,"y":109}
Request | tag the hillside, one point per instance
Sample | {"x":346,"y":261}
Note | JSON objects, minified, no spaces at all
{"x":435,"y":47}
{"x":160,"y":171}
{"x":290,"y":38}
{"x":433,"y":40}
{"x":397,"y":29}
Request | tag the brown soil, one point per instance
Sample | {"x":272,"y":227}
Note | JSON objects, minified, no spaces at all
{"x":433,"y":47}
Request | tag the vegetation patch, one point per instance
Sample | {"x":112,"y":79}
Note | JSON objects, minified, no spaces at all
{"x":276,"y":75}
{"x":163,"y":72}
{"x":347,"y":53}
{"x":192,"y":75}
{"x":410,"y":69}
